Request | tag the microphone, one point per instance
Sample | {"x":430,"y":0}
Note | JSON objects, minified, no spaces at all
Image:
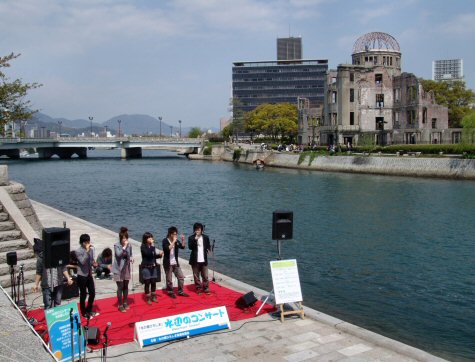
{"x":71,"y":318}
{"x":212,"y":247}
{"x":107,"y":327}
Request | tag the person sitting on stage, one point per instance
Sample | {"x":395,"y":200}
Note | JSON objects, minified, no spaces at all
{"x":121,"y":268}
{"x":104,"y":264}
{"x":200,"y":246}
{"x":149,"y":267}
{"x":51,"y":281}
{"x":170,"y":247}
{"x":85,"y":256}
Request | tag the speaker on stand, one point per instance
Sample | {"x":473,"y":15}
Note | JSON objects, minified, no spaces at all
{"x":282,"y":227}
{"x":56,"y":247}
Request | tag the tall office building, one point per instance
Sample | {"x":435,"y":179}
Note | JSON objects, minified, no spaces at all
{"x":256,"y":83}
{"x":289,"y":48}
{"x":447,"y":69}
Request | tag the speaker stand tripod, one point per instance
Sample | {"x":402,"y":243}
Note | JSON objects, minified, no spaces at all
{"x":21,"y":287}
{"x":13,"y":283}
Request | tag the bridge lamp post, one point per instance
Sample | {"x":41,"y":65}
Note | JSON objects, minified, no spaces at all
{"x":179,"y":121}
{"x":60,"y":124}
{"x":160,"y":119}
{"x":119,"y":121}
{"x":105,"y":127}
{"x":171,"y":131}
{"x":91,"y":118}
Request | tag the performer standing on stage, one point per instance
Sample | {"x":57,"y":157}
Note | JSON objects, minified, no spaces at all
{"x":121,"y":268}
{"x":85,"y":256}
{"x":51,"y":281}
{"x":200,"y":246}
{"x":170,"y":247}
{"x":149,"y":267}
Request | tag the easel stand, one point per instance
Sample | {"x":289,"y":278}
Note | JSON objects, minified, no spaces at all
{"x":299,"y":311}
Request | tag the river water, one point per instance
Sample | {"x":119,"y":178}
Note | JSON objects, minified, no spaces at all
{"x":391,"y":254}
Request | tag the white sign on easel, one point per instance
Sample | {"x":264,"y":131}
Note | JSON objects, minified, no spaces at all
{"x":286,"y":282}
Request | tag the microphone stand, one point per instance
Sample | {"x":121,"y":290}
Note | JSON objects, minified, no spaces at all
{"x":105,"y":344}
{"x":214,"y":261}
{"x":21,"y":284}
{"x":13,"y":283}
{"x":72,"y":332}
{"x":78,"y":327}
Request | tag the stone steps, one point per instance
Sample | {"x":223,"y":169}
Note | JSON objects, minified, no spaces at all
{"x":11,"y":240}
{"x":7,"y":225}
{"x":13,"y":245}
{"x":9,"y":235}
{"x":21,"y":254}
{"x":29,"y":276}
{"x":28,"y":264}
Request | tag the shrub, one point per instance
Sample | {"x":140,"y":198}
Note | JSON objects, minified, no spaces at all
{"x":236,"y":154}
{"x":207,"y":150}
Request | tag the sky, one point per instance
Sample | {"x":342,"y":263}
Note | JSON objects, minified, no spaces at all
{"x":173,"y":59}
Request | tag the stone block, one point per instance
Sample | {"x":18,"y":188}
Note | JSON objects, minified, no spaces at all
{"x":19,"y":196}
{"x":15,"y":188}
{"x":4,"y":175}
{"x":23,"y":204}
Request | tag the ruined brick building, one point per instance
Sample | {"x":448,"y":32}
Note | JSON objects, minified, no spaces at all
{"x":371,"y":101}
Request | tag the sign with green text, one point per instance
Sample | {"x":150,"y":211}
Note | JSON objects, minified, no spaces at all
{"x":285,"y":278}
{"x":59,"y":320}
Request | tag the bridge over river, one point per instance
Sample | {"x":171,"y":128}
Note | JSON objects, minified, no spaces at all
{"x":67,"y":147}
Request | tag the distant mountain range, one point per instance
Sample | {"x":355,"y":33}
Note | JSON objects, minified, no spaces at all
{"x":138,"y":124}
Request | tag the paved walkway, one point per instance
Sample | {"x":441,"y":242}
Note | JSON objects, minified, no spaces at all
{"x":318,"y":337}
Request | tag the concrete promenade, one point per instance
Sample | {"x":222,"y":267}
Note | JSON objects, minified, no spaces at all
{"x":318,"y":337}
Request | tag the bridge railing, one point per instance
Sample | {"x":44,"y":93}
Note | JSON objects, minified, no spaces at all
{"x":102,"y":139}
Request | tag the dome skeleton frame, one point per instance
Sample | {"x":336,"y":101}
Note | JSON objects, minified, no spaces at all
{"x":376,"y":41}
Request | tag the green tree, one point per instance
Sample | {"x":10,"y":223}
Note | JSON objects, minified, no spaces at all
{"x":227,"y":131}
{"x":453,"y":95}
{"x":195,"y":132}
{"x":468,"y":124}
{"x":13,"y":105}
{"x":274,"y":120}
{"x":237,"y":124}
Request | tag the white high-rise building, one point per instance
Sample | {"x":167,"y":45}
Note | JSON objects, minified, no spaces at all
{"x":447,"y":69}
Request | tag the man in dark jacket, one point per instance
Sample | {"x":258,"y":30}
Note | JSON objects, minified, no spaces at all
{"x":170,"y":247}
{"x":200,"y":246}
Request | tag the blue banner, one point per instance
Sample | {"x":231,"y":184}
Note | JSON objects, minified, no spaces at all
{"x":59,"y":328}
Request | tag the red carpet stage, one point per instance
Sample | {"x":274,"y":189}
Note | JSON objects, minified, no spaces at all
{"x":122,"y":328}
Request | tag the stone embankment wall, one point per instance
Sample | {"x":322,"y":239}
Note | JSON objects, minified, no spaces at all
{"x":383,"y":165}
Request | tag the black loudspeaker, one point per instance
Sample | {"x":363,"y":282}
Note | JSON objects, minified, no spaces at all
{"x":246,"y":301}
{"x":70,"y":291}
{"x":11,"y":258}
{"x":92,"y":335}
{"x":282,"y":225}
{"x":55,"y":247}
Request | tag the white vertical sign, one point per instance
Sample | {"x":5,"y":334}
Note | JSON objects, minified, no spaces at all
{"x":285,"y":278}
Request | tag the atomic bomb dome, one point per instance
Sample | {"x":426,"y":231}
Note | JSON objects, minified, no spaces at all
{"x":377,"y":49}
{"x":376,"y":41}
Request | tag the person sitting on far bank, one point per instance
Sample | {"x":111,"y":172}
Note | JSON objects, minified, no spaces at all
{"x":200,"y":247}
{"x":51,"y":281}
{"x":170,"y":246}
{"x":104,"y":264}
{"x":85,"y":256}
